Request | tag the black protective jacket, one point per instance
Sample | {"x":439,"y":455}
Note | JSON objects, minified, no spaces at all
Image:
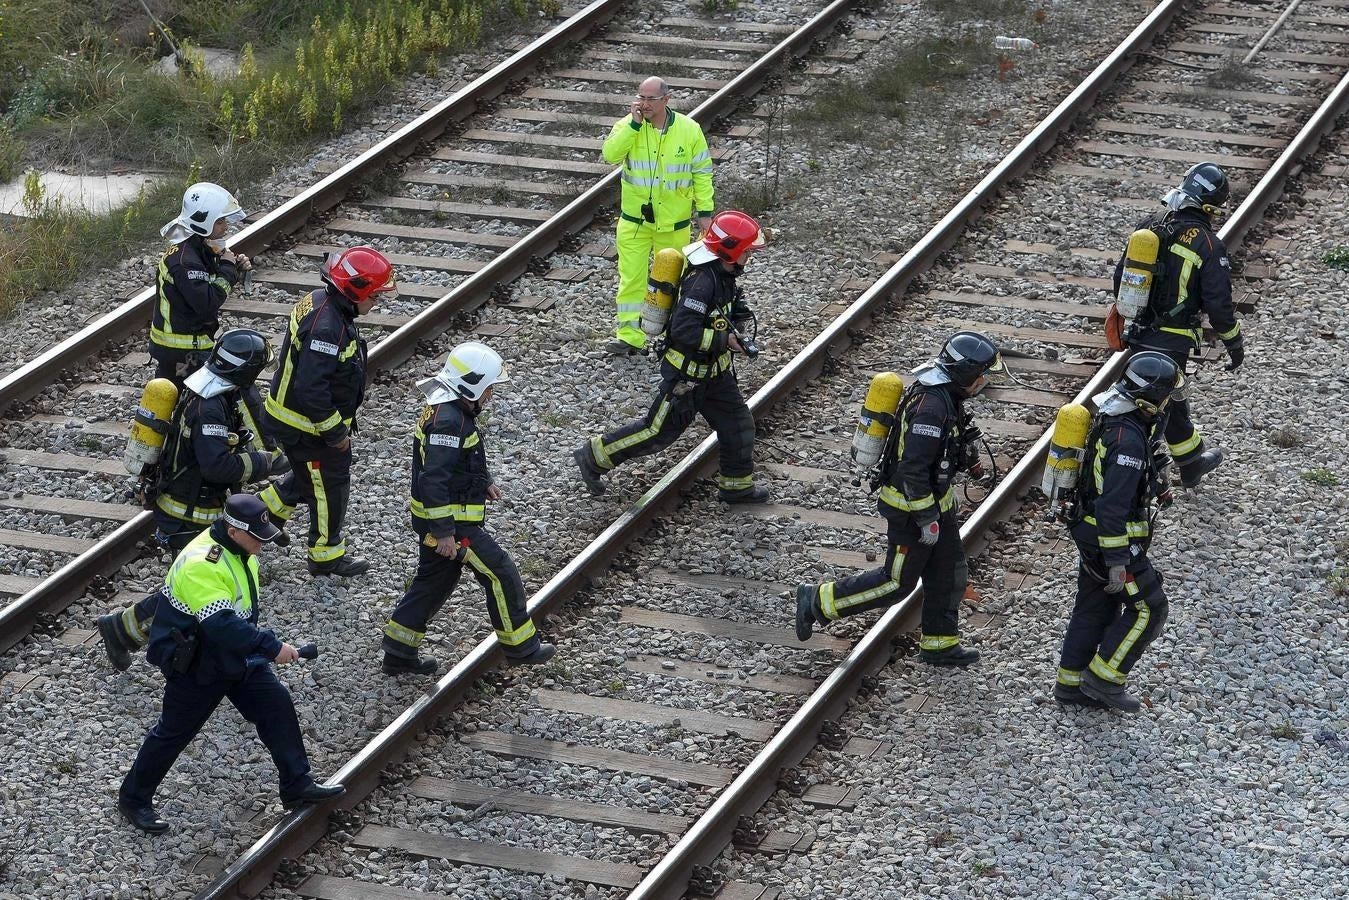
{"x":928,"y":447}
{"x":449,"y":469}
{"x":194,"y":282}
{"x":1197,"y":278}
{"x":1120,"y":477}
{"x":321,"y":381}
{"x":199,"y":466}
{"x":710,"y":307}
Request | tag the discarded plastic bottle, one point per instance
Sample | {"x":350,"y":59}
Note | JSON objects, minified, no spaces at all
{"x":1013,"y":43}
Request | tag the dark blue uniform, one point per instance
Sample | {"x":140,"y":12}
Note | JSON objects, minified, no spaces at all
{"x":212,"y":594}
{"x":194,"y":282}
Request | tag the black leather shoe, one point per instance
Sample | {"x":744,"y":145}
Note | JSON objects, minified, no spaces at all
{"x":143,"y":817}
{"x":590,"y":476}
{"x":620,"y":347}
{"x":541,"y":654}
{"x":1192,"y":472}
{"x":315,"y":793}
{"x":404,"y":665}
{"x":344,"y":567}
{"x":805,"y":611}
{"x":110,"y":627}
{"x":1071,"y":695}
{"x":1112,"y":695}
{"x":956,"y":656}
{"x":756,"y":494}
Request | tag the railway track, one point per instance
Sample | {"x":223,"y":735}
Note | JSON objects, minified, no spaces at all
{"x":452,"y":256}
{"x":1017,"y":415}
{"x":657,"y":733}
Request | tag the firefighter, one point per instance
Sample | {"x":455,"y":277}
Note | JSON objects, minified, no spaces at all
{"x":196,"y":276}
{"x":207,"y":642}
{"x":1196,"y":278}
{"x":667,"y":182}
{"x":932,"y":440}
{"x":451,"y":485}
{"x":311,"y":410}
{"x":1120,"y":607}
{"x":696,"y":371}
{"x":211,"y":450}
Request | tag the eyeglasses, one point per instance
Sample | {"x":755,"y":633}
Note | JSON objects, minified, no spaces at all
{"x":652,"y":99}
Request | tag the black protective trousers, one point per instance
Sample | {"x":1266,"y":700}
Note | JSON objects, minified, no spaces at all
{"x":1109,"y":632}
{"x":1182,"y":437}
{"x":436,"y":579}
{"x":942,"y":568}
{"x":718,"y":400}
{"x":320,"y":478}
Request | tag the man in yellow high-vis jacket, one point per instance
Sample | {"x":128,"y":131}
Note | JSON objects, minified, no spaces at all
{"x":667,"y":182}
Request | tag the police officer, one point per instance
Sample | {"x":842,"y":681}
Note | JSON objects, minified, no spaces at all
{"x":1195,"y":277}
{"x":196,"y":276}
{"x":211,"y":449}
{"x":696,"y":371}
{"x":667,"y":181}
{"x":1120,"y":606}
{"x":933,"y":439}
{"x":450,"y":489}
{"x":311,"y":410}
{"x":207,"y":641}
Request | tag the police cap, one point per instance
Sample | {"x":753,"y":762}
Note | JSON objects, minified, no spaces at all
{"x":247,"y":513}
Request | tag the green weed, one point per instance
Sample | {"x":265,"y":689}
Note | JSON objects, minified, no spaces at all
{"x":1285,"y":733}
{"x":1337,"y":258}
{"x":1230,"y":73}
{"x":715,"y":6}
{"x":1321,"y":477}
{"x":976,"y":10}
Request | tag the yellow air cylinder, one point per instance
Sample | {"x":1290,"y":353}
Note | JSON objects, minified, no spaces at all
{"x":1140,"y":267}
{"x":877,"y":418}
{"x":1065,"y":449}
{"x":661,"y":288}
{"x":150,"y":425}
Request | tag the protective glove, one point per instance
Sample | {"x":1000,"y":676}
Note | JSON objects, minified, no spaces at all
{"x":280,"y":464}
{"x":928,"y":534}
{"x":1115,"y":578}
{"x":1236,"y":353}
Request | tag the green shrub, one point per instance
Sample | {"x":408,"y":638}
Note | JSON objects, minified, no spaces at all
{"x":1337,"y":258}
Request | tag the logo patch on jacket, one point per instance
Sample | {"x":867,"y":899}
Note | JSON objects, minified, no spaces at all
{"x":215,"y":431}
{"x":323,"y":347}
{"x":927,"y":430}
{"x":697,"y":306}
{"x":1132,"y":462}
{"x":198,"y":275}
{"x":442,"y":440}
{"x":213,"y":555}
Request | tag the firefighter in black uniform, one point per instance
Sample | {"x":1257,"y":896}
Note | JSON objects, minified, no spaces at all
{"x":697,"y":375}
{"x":207,"y":642}
{"x":315,"y":394}
{"x":196,"y":276}
{"x":450,"y":489}
{"x":210,"y":452}
{"x":1196,"y":277}
{"x":933,"y":439}
{"x":1120,"y":606}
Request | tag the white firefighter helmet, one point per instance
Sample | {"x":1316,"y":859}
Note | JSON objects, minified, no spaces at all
{"x":204,"y":204}
{"x":470,"y":369}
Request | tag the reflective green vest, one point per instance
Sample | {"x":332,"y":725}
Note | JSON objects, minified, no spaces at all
{"x":670,"y":169}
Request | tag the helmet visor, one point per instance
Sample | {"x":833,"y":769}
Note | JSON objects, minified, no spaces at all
{"x":269,"y":367}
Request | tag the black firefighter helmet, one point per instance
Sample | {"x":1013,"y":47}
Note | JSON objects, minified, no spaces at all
{"x":967,"y":355}
{"x":239,"y":356}
{"x":1207,"y":184}
{"x":1151,"y":380}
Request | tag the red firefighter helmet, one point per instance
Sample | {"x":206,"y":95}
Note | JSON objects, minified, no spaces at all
{"x":731,"y":234}
{"x":359,"y":273}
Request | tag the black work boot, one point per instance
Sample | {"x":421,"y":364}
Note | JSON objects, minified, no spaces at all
{"x":315,"y":793}
{"x":1112,"y":695}
{"x":114,"y":642}
{"x":282,"y":539}
{"x":806,"y":617}
{"x":1197,"y":468}
{"x":409,"y":665}
{"x":143,"y":817}
{"x":1071,"y":695}
{"x":756,"y":494}
{"x":542,"y":653}
{"x":342,"y":567}
{"x":590,"y":473}
{"x":956,"y":657}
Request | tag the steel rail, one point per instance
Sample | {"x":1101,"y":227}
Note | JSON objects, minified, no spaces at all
{"x":133,"y":314}
{"x":253,"y":870}
{"x":708,"y":836}
{"x":17,"y":619}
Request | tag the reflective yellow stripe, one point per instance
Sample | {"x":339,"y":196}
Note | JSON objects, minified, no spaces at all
{"x":511,"y":636}
{"x":471,"y":441}
{"x":893,"y":496}
{"x":1110,"y":670}
{"x":272,"y":500}
{"x":301,"y":422}
{"x":403,"y":635}
{"x":1193,"y":334}
{"x":601,"y":450}
{"x":181,"y":341}
{"x":697,"y":370}
{"x":322,"y":551}
{"x":1228,"y":335}
{"x":1070,"y":677}
{"x":709,"y":335}
{"x":132,"y":625}
{"x":735,"y":482}
{"x":938,"y":641}
{"x":200,"y":515}
{"x":1189,"y":445}
{"x":831,"y":603}
{"x":460,"y":512}
{"x":1192,"y":262}
{"x":347,"y":352}
{"x":1111,"y":542}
